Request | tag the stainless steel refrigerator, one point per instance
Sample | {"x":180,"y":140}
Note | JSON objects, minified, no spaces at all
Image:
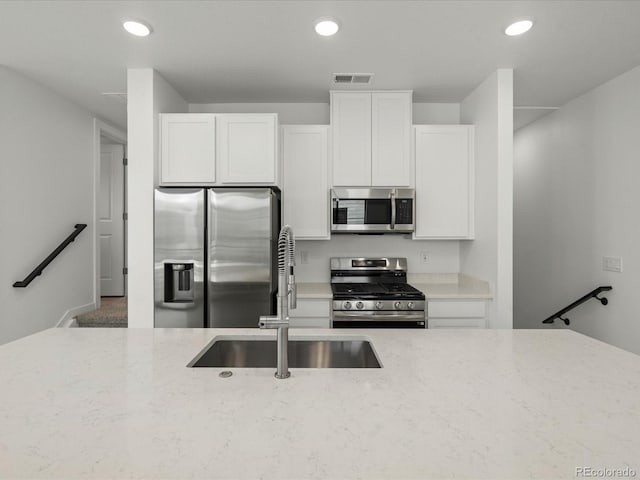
{"x":215,"y":256}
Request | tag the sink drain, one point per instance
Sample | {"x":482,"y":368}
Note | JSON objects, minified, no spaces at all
{"x":225,"y":374}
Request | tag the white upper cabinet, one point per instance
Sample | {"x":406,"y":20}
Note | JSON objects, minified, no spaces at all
{"x":371,"y":135}
{"x":187,"y":149}
{"x":246,"y":148}
{"x":444,"y":181}
{"x":391,"y":137}
{"x":351,"y":134}
{"x":305,"y":159}
{"x":218,"y":149}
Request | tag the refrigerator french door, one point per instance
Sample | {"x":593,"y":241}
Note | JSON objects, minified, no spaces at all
{"x":215,"y":256}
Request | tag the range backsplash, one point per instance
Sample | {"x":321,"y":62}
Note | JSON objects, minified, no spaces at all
{"x":444,"y":256}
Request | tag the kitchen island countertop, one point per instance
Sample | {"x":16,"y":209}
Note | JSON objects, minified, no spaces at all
{"x":121,"y":403}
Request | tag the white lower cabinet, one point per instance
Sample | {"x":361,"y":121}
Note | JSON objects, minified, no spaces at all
{"x":311,"y":313}
{"x":457,"y":314}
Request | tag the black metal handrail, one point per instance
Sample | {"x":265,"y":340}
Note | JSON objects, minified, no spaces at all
{"x":38,"y":270}
{"x":592,"y":294}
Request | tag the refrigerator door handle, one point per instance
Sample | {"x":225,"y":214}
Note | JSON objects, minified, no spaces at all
{"x":275,"y":230}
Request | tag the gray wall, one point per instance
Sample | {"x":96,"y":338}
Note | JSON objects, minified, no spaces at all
{"x":148,"y":95}
{"x":576,"y":199}
{"x":489,"y":256}
{"x":46,"y":186}
{"x":318,"y":113}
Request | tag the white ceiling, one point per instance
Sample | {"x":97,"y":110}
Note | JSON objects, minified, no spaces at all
{"x":267,"y":51}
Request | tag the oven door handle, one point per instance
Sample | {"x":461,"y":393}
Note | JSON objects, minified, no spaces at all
{"x":386,"y":316}
{"x":392,"y":197}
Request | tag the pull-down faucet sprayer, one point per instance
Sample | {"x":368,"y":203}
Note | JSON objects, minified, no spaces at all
{"x":286,"y":298}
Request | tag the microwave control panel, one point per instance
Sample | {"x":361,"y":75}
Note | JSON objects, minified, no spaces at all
{"x":404,"y":211}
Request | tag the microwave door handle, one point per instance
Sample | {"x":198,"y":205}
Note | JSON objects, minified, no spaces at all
{"x":392,"y":196}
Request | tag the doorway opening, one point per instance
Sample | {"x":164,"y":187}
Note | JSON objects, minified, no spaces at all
{"x":110,"y":204}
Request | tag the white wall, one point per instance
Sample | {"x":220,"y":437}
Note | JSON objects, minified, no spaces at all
{"x":46,"y":186}
{"x":288,"y":113}
{"x":576,"y":200}
{"x":436,"y":113}
{"x":148,"y":94}
{"x":318,"y":113}
{"x":443,"y":255}
{"x":490,"y":108}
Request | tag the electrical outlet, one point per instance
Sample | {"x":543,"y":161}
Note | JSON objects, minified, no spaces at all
{"x":424,"y":257}
{"x":304,"y":257}
{"x":612,"y":264}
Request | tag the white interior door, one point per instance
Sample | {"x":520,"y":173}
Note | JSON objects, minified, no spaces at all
{"x":111,"y":225}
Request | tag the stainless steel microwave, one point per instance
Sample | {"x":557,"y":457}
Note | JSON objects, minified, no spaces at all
{"x":372,"y":210}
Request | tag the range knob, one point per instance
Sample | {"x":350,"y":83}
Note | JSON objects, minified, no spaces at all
{"x":347,"y":305}
{"x":359,"y":305}
{"x":397,"y":305}
{"x":379,"y":305}
{"x":411,"y":305}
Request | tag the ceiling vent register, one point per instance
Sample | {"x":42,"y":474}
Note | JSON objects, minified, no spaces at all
{"x":352,"y":78}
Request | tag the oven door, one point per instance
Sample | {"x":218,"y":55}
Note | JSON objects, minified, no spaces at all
{"x":377,"y":319}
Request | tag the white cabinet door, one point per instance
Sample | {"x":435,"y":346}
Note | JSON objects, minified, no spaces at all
{"x":305,"y":180}
{"x":246,"y":148}
{"x":457,"y":314}
{"x":391,"y":139}
{"x":444,"y":181}
{"x":351,"y":137}
{"x":187,"y":149}
{"x":311,"y":313}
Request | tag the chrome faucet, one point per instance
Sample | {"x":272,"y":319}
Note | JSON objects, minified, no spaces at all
{"x":287,"y":298}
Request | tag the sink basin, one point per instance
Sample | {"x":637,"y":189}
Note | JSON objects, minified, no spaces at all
{"x":303,"y":353}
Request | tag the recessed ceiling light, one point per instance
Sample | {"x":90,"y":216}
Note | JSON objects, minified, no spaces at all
{"x":518,"y":28}
{"x":136,"y":28}
{"x":326,"y":27}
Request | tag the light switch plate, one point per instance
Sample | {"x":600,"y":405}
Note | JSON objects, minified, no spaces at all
{"x":304,"y":257}
{"x":612,"y":264}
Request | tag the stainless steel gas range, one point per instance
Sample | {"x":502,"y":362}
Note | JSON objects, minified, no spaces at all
{"x":374,"y":293}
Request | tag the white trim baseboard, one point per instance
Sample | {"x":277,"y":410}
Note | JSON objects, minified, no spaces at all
{"x":68,"y":319}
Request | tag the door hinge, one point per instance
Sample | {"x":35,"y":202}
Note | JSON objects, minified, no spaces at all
{"x":125,"y":216}
{"x":125,"y":270}
{"x":125,"y":161}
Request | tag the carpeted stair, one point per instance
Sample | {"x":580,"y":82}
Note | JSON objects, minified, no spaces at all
{"x":111,"y":314}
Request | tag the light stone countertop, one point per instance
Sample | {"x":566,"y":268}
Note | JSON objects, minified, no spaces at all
{"x":499,"y":404}
{"x":450,"y":286}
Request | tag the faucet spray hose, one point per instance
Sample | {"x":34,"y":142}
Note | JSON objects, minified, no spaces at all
{"x":286,"y":250}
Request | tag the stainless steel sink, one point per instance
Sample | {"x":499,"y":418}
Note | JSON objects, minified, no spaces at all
{"x":303,"y":353}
